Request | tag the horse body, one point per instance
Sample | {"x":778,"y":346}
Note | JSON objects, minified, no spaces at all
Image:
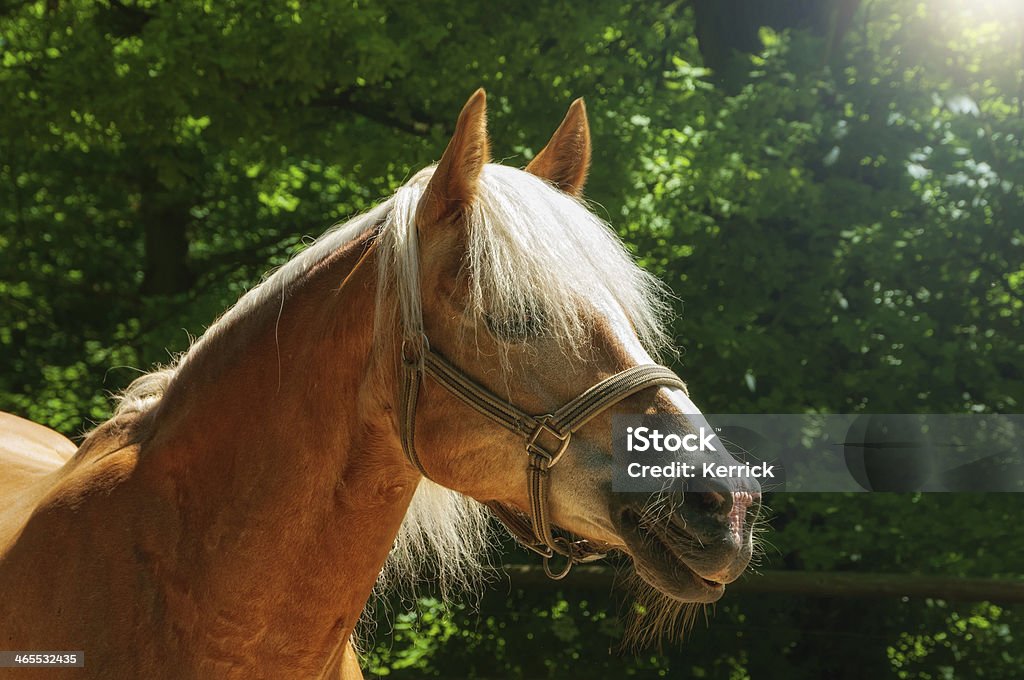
{"x":233,"y":517}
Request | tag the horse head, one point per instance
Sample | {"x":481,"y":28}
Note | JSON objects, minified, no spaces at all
{"x":517,"y":301}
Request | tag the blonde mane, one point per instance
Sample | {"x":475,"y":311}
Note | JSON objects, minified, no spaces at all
{"x":532,"y":252}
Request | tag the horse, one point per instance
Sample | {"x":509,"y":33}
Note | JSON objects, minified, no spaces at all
{"x":364,"y":410}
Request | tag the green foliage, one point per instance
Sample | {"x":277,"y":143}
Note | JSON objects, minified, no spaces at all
{"x":840,"y":216}
{"x":515,"y":634}
{"x":962,"y":648}
{"x":415,"y":636}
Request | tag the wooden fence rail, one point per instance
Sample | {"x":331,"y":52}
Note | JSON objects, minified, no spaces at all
{"x":808,"y":583}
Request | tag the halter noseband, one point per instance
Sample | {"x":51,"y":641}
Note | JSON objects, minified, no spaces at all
{"x":546,"y":436}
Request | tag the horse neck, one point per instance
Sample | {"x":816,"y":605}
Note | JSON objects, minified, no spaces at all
{"x":276,"y":451}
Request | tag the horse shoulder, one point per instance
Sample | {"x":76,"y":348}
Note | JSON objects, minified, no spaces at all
{"x":42,"y":472}
{"x":64,"y":547}
{"x":30,"y":459}
{"x":29,"y":444}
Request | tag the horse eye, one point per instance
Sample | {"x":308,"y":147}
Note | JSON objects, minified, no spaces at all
{"x":518,"y":328}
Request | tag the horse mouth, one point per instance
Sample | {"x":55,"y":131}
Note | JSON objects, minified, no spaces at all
{"x":659,"y":561}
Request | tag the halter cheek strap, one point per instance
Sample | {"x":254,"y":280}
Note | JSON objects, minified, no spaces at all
{"x":546,"y":439}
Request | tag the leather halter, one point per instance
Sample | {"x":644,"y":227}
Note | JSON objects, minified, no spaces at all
{"x":546,"y":437}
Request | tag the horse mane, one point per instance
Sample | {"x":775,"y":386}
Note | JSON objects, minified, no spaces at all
{"x":532,"y":252}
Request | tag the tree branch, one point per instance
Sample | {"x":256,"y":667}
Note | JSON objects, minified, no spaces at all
{"x":419,"y":125}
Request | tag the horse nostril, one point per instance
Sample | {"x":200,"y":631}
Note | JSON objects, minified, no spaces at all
{"x":715,"y":502}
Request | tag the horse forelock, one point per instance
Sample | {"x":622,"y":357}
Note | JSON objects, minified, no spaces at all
{"x":532,"y":251}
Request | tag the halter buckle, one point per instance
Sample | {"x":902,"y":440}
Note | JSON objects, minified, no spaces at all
{"x":535,"y":448}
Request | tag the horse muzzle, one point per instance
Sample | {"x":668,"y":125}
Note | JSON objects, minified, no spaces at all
{"x":688,"y":545}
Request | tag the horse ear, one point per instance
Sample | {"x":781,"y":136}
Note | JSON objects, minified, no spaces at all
{"x":565,"y":160}
{"x":454,"y":183}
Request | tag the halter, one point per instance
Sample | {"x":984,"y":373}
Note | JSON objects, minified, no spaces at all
{"x":546,"y":437}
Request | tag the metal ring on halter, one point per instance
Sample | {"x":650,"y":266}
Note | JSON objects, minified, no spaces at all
{"x":558,"y":575}
{"x":423,"y":350}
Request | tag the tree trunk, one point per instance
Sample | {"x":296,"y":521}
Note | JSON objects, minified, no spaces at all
{"x":165,"y":217}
